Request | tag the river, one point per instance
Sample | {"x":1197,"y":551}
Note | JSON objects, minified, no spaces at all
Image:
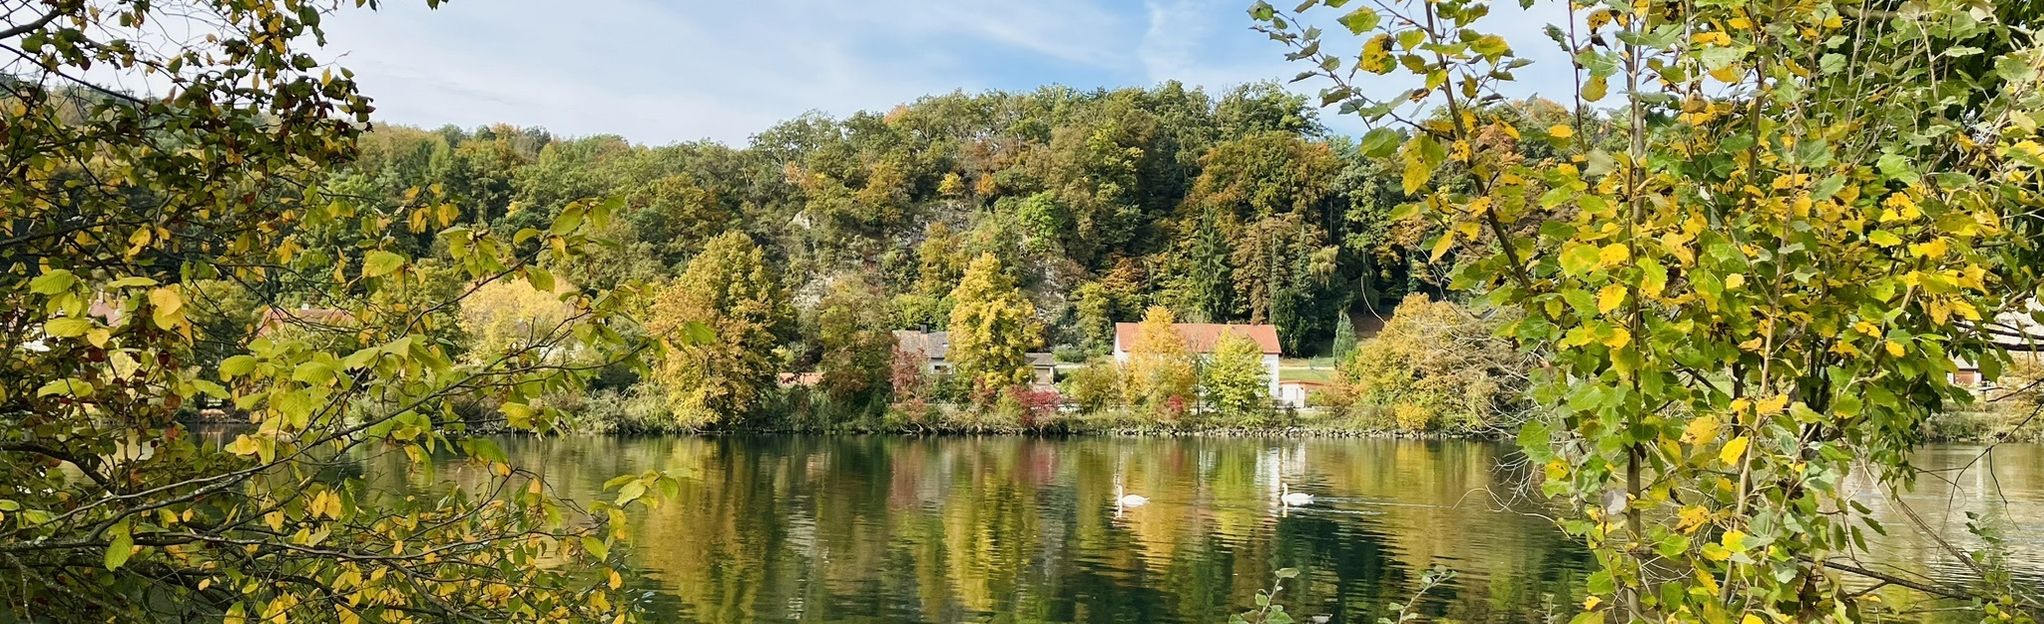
{"x":1019,"y":529}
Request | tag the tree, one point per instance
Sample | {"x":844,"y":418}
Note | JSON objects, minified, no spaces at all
{"x":1753,"y":285}
{"x":505,"y":316}
{"x":1236,"y":384}
{"x":731,"y":293}
{"x":1162,"y":372}
{"x":858,"y":348}
{"x":120,"y":217}
{"x":1439,"y":365}
{"x":993,"y":327}
{"x":1344,"y":337}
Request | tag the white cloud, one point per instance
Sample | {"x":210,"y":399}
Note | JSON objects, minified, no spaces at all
{"x":659,"y":72}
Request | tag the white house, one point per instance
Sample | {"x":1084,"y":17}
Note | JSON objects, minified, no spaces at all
{"x":1201,"y":338}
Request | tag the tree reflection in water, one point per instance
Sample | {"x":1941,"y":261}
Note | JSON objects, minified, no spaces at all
{"x":1017,"y":529}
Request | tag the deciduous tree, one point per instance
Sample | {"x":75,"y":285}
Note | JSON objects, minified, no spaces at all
{"x":722,"y":320}
{"x":992,"y":327}
{"x":1161,"y":374}
{"x":1752,"y":288}
{"x":1234,"y":380}
{"x":121,"y":211}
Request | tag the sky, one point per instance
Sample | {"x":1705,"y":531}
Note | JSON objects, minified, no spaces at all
{"x":665,"y":71}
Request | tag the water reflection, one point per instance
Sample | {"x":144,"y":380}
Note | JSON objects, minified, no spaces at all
{"x":1014,"y":529}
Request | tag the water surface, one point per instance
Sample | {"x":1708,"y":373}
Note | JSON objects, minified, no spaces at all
{"x":1017,"y":529}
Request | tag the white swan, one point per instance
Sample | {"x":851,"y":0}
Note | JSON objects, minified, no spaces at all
{"x":1122,"y":499}
{"x":1291,"y":498}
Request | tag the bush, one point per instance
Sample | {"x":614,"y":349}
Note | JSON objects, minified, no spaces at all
{"x":1095,"y":386}
{"x":1436,"y":366}
{"x":1070,"y":354}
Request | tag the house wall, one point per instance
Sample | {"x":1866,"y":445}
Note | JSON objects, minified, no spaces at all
{"x":1270,"y":374}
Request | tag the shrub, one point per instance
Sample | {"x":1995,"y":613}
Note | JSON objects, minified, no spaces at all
{"x":1095,"y":386}
{"x":1071,"y":354}
{"x":1437,"y":365}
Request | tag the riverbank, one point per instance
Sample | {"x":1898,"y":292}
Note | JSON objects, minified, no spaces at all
{"x":1977,"y":426}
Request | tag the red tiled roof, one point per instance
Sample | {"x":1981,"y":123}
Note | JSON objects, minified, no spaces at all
{"x":1201,"y":337}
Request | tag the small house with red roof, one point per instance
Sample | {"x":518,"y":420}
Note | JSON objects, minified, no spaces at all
{"x":1200,"y":338}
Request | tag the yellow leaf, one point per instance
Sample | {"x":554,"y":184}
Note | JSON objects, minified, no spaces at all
{"x":1733,"y":451}
{"x":1895,"y":348}
{"x":1691,"y":518}
{"x":1734,"y":281}
{"x":167,"y":307}
{"x":1613,"y":254}
{"x":1752,"y":619}
{"x":1701,"y":429}
{"x":1610,"y":298}
{"x":1441,"y":248}
{"x":1619,"y":337}
{"x":1773,"y":404}
{"x":1561,"y":131}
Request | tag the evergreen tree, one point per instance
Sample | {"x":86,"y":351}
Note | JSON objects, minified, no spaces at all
{"x":1344,"y":337}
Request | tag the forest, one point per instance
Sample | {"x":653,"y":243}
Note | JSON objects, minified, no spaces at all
{"x":1097,"y":207}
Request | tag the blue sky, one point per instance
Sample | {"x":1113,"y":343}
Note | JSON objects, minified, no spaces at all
{"x":664,"y":71}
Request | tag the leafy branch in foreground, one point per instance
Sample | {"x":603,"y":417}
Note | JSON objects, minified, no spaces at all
{"x":125,"y":217}
{"x":1752,"y":274}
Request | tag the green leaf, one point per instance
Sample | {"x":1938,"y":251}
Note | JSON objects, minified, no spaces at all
{"x":1884,"y":238}
{"x":1285,"y":573}
{"x":379,"y":263}
{"x":67,"y":327}
{"x":1491,"y":46}
{"x":66,"y":387}
{"x":596,"y":547}
{"x":237,"y":366}
{"x":571,"y":218}
{"x":120,"y":544}
{"x":1381,"y":142}
{"x":1361,"y":20}
{"x":315,"y":373}
{"x":697,"y":333}
{"x":540,"y":279}
{"x":1578,"y":259}
{"x":630,"y":491}
{"x":53,"y":282}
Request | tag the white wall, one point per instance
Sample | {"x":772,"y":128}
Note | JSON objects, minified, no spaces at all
{"x":1270,"y":373}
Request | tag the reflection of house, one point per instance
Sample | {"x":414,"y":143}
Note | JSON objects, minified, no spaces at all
{"x":1201,"y":338}
{"x":1295,"y":393}
{"x":934,"y":348}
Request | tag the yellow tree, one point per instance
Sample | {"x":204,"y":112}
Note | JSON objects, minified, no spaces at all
{"x":1161,"y":374}
{"x":117,"y":212}
{"x":992,"y":327}
{"x":1235,"y":382}
{"x":721,"y":320}
{"x":1751,"y":286}
{"x":516,"y":316}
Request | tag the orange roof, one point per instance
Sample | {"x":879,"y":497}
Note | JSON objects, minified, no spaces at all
{"x":1201,"y":337}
